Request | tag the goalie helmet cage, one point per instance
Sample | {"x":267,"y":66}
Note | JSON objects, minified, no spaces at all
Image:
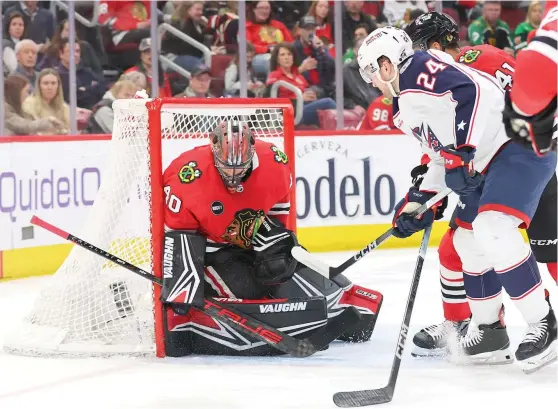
{"x":91,"y":307}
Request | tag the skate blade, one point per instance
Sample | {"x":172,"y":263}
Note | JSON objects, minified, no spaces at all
{"x":419,"y":352}
{"x":500,"y":357}
{"x":548,"y":357}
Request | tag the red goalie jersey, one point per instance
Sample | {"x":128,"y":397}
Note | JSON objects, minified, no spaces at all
{"x":536,"y":68}
{"x":197,"y":199}
{"x":491,"y":60}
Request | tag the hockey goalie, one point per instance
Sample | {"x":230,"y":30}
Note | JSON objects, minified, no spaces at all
{"x":228,"y":201}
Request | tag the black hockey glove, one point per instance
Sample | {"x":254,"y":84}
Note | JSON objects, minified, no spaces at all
{"x":273,"y":243}
{"x":417,"y":174}
{"x":535,"y":132}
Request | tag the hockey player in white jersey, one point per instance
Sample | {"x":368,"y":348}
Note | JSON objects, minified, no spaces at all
{"x":456,"y":112}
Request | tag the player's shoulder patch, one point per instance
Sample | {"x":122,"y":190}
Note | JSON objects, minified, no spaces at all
{"x":470,"y":56}
{"x":387,"y":101}
{"x":279,"y":156}
{"x":189,"y":172}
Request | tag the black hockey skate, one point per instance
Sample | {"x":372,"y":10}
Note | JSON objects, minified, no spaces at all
{"x":538,"y":347}
{"x":484,"y":344}
{"x":433,"y":340}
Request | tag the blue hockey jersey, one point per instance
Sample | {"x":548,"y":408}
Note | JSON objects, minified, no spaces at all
{"x":443,"y":103}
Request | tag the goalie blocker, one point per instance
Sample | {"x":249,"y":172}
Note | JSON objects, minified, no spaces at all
{"x":298,"y":302}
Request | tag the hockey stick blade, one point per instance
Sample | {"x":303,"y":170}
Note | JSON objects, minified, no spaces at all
{"x":310,"y":260}
{"x":246,"y":324}
{"x":385,"y":394}
{"x":363,"y":398}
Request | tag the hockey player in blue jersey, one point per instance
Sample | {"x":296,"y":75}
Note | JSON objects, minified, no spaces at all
{"x":456,"y":113}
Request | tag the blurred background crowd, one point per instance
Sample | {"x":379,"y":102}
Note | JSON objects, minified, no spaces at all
{"x":290,"y":51}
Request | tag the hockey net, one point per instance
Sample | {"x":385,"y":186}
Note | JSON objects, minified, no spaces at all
{"x":92,"y":307}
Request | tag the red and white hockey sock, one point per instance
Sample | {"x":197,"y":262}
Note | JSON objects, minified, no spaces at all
{"x":454,"y":300}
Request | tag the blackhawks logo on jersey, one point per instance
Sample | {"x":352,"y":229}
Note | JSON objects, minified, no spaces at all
{"x":470,"y":56}
{"x":189,"y":172}
{"x":241,"y":229}
{"x":280,"y":156}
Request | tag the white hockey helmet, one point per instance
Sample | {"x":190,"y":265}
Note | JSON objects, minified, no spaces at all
{"x":390,"y":42}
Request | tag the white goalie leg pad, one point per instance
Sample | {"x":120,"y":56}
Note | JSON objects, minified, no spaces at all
{"x":476,"y":263}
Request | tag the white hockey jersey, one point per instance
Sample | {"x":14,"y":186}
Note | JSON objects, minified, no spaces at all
{"x":444,"y":103}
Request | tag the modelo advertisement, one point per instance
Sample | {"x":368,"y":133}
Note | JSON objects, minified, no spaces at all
{"x":340,"y":180}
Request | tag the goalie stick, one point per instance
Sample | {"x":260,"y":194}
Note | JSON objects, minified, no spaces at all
{"x":385,"y":394}
{"x":244,"y":323}
{"x":324,"y":269}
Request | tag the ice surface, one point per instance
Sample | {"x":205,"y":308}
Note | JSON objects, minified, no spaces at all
{"x":239,"y":383}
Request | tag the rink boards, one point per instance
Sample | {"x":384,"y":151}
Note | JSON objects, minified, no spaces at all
{"x":347,"y":184}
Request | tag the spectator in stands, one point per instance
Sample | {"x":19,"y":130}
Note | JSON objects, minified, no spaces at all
{"x":102,"y":117}
{"x":14,"y":32}
{"x":199,"y":83}
{"x":352,"y":17}
{"x":145,"y":66}
{"x":137,"y":78}
{"x":284,"y":69}
{"x":489,"y":29}
{"x":128,"y":22}
{"x":188,"y":18}
{"x":89,"y":87}
{"x":224,"y":27}
{"x":320,"y":11}
{"x":379,"y":115}
{"x":357,"y":93}
{"x":361,"y":31}
{"x":232,"y":77}
{"x":16,"y":121}
{"x":39,"y":22}
{"x":532,"y":22}
{"x":317,"y":67}
{"x":9,"y":59}
{"x":14,"y":28}
{"x":48,"y":100}
{"x":88,"y":57}
{"x":264,"y":33}
{"x":396,"y":12}
{"x":26,"y":54}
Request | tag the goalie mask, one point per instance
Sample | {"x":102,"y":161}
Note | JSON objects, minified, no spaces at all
{"x":233,"y":149}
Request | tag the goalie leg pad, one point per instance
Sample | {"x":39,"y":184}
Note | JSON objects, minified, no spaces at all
{"x":340,"y":293}
{"x":183,"y":261}
{"x":197,"y":333}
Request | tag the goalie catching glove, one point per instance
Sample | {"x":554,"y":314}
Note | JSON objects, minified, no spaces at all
{"x":272,"y":243}
{"x":405,"y":224}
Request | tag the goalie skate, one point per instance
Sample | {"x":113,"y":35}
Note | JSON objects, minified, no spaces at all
{"x":433,"y":341}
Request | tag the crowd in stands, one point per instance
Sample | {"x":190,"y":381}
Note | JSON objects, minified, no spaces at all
{"x":290,"y":41}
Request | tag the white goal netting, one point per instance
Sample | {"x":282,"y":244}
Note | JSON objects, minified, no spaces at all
{"x":92,"y":307}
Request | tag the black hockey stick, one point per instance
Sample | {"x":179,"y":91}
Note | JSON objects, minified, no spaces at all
{"x":244,"y":323}
{"x":385,"y":394}
{"x":316,"y":264}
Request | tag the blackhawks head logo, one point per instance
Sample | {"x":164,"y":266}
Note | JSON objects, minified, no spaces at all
{"x":242,"y":228}
{"x":279,"y":155}
{"x":470,"y":56}
{"x":189,"y":172}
